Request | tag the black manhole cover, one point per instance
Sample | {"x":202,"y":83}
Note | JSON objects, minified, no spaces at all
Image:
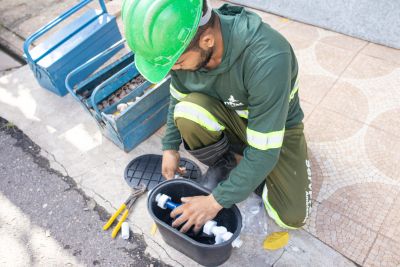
{"x":146,"y":170}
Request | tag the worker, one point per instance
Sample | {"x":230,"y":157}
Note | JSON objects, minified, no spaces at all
{"x":233,"y":103}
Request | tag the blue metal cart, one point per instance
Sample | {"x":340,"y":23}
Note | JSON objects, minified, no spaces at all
{"x":146,"y":104}
{"x":71,"y":46}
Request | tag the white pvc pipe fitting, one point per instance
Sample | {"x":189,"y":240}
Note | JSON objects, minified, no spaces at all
{"x":125,"y":230}
{"x":161,"y":199}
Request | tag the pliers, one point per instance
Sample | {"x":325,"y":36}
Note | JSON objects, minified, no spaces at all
{"x":127,"y":205}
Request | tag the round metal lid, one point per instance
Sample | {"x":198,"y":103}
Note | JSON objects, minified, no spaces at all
{"x":146,"y":169}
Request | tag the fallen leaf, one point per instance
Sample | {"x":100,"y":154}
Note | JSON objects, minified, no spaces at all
{"x":153,"y":229}
{"x":276,"y":240}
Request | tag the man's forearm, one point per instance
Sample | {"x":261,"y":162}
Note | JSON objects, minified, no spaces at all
{"x":172,"y":137}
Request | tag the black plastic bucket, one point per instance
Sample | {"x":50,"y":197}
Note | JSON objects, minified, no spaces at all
{"x":198,"y":249}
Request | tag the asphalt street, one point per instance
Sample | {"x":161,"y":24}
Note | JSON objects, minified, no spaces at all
{"x":46,"y":219}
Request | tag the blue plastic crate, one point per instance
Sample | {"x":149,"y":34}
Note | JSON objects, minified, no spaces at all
{"x":71,"y":46}
{"x":141,"y":119}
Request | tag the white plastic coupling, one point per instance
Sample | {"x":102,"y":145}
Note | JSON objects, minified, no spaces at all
{"x":125,"y":230}
{"x":161,"y":200}
{"x":237,"y":243}
{"x":220,"y":232}
{"x":207,"y":228}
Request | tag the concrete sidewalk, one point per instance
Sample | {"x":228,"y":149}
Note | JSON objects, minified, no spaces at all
{"x":71,"y":141}
{"x":348,"y":92}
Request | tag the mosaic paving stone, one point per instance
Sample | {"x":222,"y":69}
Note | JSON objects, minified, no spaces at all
{"x":348,"y":100}
{"x":344,"y":163}
{"x":300,"y":36}
{"x":324,"y":125}
{"x":388,"y":121}
{"x":333,"y":59}
{"x":366,"y":67}
{"x":382,"y":52}
{"x":343,"y":41}
{"x":307,"y":109}
{"x":367,"y":203}
{"x":342,"y":233}
{"x":313,"y":88}
{"x":391,"y":225}
{"x":384,"y":253}
{"x":381,"y":93}
{"x":383,"y":151}
{"x":303,"y":30}
{"x":296,"y":41}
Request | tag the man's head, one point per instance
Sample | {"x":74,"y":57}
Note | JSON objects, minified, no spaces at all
{"x":198,"y":54}
{"x":162,"y":34}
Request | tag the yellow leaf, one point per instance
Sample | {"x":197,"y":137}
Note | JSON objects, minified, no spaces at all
{"x":276,"y":240}
{"x":153,"y":229}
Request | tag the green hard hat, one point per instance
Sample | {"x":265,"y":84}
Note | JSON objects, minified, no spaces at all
{"x":158,"y":32}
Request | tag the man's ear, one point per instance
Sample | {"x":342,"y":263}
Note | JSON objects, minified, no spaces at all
{"x":207,"y":40}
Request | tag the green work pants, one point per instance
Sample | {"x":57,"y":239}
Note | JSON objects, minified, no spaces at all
{"x":287,"y":190}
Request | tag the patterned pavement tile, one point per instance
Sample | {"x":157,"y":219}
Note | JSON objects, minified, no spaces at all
{"x":300,"y":36}
{"x":303,"y":30}
{"x":333,"y":59}
{"x":307,"y":109}
{"x":316,"y":173}
{"x":379,"y":93}
{"x":324,"y":125}
{"x":382,"y":149}
{"x":365,"y":203}
{"x":313,"y":88}
{"x":349,"y":93}
{"x":384,"y":253}
{"x":388,"y":121}
{"x":391,"y":225}
{"x":298,"y":42}
{"x":367,"y":67}
{"x":343,"y":41}
{"x":382,"y":52}
{"x":348,"y":100}
{"x":340,"y":232}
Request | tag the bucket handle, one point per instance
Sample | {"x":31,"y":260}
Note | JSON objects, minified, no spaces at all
{"x":52,"y":24}
{"x":69,"y":86}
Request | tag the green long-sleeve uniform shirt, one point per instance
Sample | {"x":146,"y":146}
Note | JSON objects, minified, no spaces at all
{"x":257,"y":78}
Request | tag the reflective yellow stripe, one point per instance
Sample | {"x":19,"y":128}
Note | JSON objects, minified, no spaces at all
{"x":197,"y":114}
{"x":272,"y":212}
{"x":175,"y":93}
{"x":294,"y":90}
{"x":264,"y":141}
{"x":243,"y":113}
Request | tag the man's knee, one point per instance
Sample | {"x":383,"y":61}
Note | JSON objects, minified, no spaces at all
{"x":292,"y":214}
{"x":186,"y":126}
{"x":294,"y":217}
{"x":198,"y":127}
{"x":196,"y":109}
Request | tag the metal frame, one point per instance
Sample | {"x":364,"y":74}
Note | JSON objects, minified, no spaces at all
{"x":54,"y":23}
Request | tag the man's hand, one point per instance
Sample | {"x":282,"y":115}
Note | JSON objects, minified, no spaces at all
{"x":195,"y":211}
{"x":170,"y":164}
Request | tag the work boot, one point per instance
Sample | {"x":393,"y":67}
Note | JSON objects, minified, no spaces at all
{"x":218,"y":158}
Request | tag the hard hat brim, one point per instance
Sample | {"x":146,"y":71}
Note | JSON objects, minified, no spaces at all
{"x":153,"y":73}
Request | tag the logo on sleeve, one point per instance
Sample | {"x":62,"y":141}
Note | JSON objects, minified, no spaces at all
{"x":232,"y":102}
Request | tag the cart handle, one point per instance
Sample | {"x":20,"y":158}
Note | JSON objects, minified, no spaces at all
{"x":55,"y":22}
{"x":111,"y":49}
